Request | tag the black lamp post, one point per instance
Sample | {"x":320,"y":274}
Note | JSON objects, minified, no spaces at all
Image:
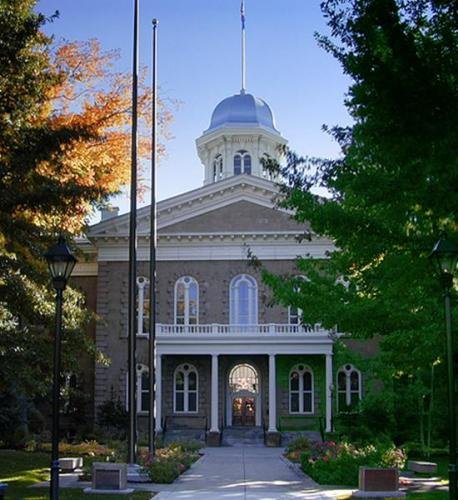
{"x":445,"y":257}
{"x":61,"y":263}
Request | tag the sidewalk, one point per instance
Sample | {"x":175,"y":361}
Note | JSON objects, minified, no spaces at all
{"x":245,"y":473}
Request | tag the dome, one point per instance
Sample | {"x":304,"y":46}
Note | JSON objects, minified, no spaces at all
{"x":242,"y":110}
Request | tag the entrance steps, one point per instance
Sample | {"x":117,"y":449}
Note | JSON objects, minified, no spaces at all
{"x":243,"y":436}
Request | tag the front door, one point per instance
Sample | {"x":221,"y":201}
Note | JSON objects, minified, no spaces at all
{"x":244,"y":411}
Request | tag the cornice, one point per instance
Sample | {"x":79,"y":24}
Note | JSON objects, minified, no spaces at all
{"x":231,"y":134}
{"x":214,"y":247}
{"x":273,"y":236}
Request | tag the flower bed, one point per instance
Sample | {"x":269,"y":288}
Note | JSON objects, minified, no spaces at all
{"x":338,"y":463}
{"x":170,"y":462}
{"x":295,"y":449}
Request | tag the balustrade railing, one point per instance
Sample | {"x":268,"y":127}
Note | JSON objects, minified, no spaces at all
{"x":258,"y":329}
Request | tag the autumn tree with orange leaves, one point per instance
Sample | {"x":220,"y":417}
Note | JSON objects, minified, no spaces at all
{"x":64,"y":149}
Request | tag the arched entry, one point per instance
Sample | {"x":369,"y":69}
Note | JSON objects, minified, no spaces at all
{"x":243,"y":396}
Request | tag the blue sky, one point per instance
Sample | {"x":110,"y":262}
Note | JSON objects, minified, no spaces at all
{"x":199,"y":65}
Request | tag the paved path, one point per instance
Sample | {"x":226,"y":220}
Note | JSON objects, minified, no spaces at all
{"x":244,"y":473}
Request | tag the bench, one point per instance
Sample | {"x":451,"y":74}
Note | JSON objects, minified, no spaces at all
{"x":69,"y":464}
{"x":422,"y":467}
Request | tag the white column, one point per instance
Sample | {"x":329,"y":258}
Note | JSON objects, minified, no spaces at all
{"x":272,"y":395}
{"x":328,"y":392}
{"x":158,"y":374}
{"x":214,"y":396}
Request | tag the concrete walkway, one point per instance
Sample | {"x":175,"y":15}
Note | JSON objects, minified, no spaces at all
{"x":245,"y":473}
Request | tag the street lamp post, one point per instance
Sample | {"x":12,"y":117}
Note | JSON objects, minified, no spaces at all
{"x":61,"y":263}
{"x":444,"y":257}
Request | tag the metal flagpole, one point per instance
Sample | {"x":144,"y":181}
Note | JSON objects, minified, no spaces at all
{"x":132,"y":431}
{"x":152,"y":259}
{"x":242,"y":18}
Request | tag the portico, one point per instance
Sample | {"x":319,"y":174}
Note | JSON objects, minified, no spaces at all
{"x":244,"y":379}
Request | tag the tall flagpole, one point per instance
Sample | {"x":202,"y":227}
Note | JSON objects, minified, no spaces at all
{"x":242,"y":18}
{"x":152,"y":258}
{"x":132,"y":431}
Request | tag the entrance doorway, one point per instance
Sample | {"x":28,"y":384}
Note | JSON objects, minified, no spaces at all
{"x":244,"y":411}
{"x":243,"y":401}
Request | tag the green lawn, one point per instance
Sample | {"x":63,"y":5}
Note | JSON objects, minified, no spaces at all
{"x":21,"y":469}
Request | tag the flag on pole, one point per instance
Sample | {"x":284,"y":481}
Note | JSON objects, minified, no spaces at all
{"x":242,"y":14}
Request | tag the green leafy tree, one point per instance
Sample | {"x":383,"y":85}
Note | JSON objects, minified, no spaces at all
{"x":64,"y":149}
{"x":392,"y":191}
{"x":27,"y":195}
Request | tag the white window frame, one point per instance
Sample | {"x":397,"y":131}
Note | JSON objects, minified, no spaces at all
{"x":267,"y":174}
{"x":187,"y":284}
{"x":348,"y":369}
{"x":142,"y":283}
{"x":297,"y":316}
{"x":186,"y":391}
{"x":299,"y":312}
{"x":217,"y":168}
{"x":252,"y":299}
{"x":243,"y":155}
{"x":141,"y":370}
{"x":305,"y":369}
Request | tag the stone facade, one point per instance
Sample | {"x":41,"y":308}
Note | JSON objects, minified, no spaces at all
{"x":208,"y":234}
{"x":213,"y":278}
{"x":240,"y":216}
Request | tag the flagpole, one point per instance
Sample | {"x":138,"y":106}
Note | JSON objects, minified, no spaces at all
{"x":131,"y":361}
{"x":242,"y":15}
{"x":152,"y":259}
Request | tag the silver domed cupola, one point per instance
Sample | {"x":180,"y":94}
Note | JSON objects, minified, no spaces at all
{"x":242,"y":131}
{"x":242,"y":110}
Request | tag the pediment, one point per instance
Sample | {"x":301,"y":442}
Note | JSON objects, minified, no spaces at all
{"x":239,"y":217}
{"x":242,"y":203}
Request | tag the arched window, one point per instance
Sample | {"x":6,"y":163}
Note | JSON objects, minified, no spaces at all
{"x":301,"y":390}
{"x":246,"y":164}
{"x":237,"y":165}
{"x":143,"y":313}
{"x":242,"y":162}
{"x":243,"y":303}
{"x":243,"y":378}
{"x":217,"y":168}
{"x":295,"y":313}
{"x":186,"y":301}
{"x":266,"y":173}
{"x":185,"y":389}
{"x":348,"y":387}
{"x":143,"y":393}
